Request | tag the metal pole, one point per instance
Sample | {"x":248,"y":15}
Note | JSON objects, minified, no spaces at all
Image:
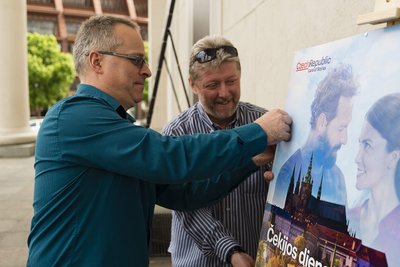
{"x":179,"y":68}
{"x":160,"y":63}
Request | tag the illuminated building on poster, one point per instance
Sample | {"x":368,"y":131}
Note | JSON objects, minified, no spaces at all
{"x":322,"y":225}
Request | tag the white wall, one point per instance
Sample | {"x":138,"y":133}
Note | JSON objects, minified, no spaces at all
{"x":190,"y":22}
{"x":267,"y":34}
{"x":158,"y":12}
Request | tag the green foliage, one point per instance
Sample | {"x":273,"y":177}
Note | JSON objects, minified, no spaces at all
{"x":51,"y":72}
{"x":146,"y":83}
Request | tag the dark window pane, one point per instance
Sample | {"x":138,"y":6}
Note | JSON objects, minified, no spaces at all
{"x":78,"y":3}
{"x":42,"y":25}
{"x":73,"y":25}
{"x":114,"y":6}
{"x":41,"y":2}
{"x":141,"y":8}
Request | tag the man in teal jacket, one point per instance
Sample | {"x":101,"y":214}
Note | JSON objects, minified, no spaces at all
{"x":98,"y":176}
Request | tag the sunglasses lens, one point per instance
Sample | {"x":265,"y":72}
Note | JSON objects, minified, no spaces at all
{"x":138,"y":61}
{"x":206,"y":55}
{"x":211,"y":53}
{"x":231,"y":50}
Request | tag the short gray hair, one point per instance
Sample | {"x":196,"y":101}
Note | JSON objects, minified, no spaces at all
{"x":97,"y":33}
{"x":222,"y":57}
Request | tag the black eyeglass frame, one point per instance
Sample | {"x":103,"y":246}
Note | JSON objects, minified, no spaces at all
{"x":209,"y":54}
{"x":137,"y":60}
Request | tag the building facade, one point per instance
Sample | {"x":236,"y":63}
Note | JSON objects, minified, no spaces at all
{"x":62,"y":18}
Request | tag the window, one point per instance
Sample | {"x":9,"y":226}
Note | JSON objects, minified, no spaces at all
{"x":42,"y":25}
{"x":114,"y":6}
{"x":78,"y":3}
{"x":73,"y":25}
{"x":141,"y":8}
{"x":41,"y":2}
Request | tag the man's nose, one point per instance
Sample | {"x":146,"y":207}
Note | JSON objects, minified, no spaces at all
{"x":223,"y":90}
{"x":145,"y":70}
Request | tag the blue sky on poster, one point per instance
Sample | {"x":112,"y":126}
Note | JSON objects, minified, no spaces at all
{"x":375,"y":59}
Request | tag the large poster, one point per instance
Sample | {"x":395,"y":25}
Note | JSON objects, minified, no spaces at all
{"x":335,"y":197}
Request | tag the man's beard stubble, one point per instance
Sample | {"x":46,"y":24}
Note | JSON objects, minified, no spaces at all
{"x":324,"y":154}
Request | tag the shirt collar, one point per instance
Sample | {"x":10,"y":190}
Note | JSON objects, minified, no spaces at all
{"x":204,"y":116}
{"x":89,"y":90}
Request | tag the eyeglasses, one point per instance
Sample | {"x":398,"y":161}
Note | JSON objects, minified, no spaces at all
{"x":209,"y":54}
{"x":137,"y":60}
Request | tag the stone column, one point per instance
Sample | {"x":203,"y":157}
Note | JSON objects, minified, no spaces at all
{"x":158,"y":13}
{"x":16,"y":137}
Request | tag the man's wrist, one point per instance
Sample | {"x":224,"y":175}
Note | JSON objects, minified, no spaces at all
{"x":233,"y":250}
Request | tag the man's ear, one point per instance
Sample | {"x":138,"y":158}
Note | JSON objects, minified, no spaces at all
{"x":193,"y":85}
{"x":95,"y":62}
{"x":322,"y":123}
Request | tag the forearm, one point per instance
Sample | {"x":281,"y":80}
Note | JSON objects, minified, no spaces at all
{"x":113,"y":144}
{"x":195,"y":195}
{"x":206,"y":231}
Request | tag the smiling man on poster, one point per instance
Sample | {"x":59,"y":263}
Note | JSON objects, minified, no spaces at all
{"x":331,"y":113}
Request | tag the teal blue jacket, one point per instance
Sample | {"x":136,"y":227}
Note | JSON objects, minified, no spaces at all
{"x":98,"y":177}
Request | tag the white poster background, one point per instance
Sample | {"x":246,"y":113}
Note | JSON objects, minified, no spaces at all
{"x":375,"y":59}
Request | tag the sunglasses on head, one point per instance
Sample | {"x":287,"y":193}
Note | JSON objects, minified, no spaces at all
{"x":209,"y":54}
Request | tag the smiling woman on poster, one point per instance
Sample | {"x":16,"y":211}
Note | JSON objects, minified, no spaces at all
{"x":376,"y":220}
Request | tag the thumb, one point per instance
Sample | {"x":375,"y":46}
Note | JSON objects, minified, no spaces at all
{"x":268,"y":176}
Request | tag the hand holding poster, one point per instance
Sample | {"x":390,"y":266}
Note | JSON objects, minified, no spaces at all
{"x":335,"y":201}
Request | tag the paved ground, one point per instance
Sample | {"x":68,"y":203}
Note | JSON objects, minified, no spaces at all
{"x":16,"y":193}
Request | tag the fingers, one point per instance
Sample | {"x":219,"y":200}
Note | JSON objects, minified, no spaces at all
{"x":286,"y":129}
{"x":277,"y":125}
{"x":287,"y":119}
{"x":287,"y":126}
{"x":242,"y":259}
{"x":268,"y":176}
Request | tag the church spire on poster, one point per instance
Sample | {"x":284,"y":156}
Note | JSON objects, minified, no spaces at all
{"x":335,"y":200}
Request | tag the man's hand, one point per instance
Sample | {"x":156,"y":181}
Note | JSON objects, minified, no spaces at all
{"x":268,"y":176}
{"x":264,"y":158}
{"x":241,"y":259}
{"x":277,"y":125}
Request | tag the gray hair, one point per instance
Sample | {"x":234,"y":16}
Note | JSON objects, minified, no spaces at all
{"x":222,"y":57}
{"x":97,"y":33}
